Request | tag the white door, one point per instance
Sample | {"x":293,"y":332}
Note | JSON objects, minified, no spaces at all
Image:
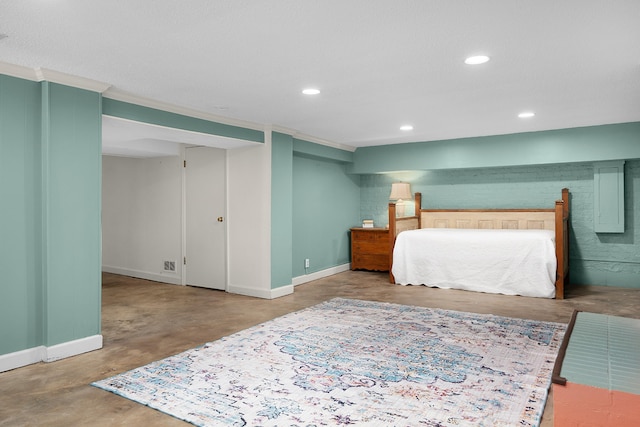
{"x":205,"y":246}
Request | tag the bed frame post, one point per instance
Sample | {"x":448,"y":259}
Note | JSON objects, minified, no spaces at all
{"x":565,"y":199}
{"x":418,"y":208}
{"x":562,"y":242}
{"x":392,"y":238}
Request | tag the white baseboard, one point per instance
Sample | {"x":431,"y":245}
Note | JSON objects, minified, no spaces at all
{"x":22,"y":358}
{"x":320,"y":274}
{"x":288,"y":289}
{"x":72,"y":348}
{"x":259,"y":293}
{"x":281,"y":291}
{"x":42,"y":353}
{"x":171,"y":278}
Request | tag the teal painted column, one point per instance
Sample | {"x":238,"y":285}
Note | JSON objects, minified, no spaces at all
{"x":71,"y":202}
{"x":281,"y":209}
{"x":20,"y":215}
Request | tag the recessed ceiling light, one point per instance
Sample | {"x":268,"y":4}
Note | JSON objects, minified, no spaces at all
{"x":526,"y":114}
{"x":311,"y":91}
{"x":406,"y":127}
{"x":476,"y":60}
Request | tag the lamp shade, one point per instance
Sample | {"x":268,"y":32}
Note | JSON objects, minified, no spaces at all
{"x":400,"y":190}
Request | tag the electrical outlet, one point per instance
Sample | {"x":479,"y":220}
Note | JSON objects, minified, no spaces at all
{"x":169,"y":266}
{"x":306,"y":263}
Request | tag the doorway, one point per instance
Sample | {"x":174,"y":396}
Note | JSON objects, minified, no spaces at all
{"x":145,"y":203}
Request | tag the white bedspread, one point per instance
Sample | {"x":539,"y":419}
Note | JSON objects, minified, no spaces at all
{"x":511,"y":262}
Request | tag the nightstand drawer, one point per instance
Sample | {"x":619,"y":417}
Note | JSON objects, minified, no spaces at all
{"x":370,"y":247}
{"x":370,"y":262}
{"x":375,"y":236}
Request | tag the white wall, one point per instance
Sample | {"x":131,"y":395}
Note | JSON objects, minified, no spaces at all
{"x":249,"y":220}
{"x":141,"y":216}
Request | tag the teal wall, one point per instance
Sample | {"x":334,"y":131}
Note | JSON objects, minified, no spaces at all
{"x":50,"y":143}
{"x":326,"y":203}
{"x":595,"y":258}
{"x":587,"y":144}
{"x":125,"y":110}
{"x":281,"y":209}
{"x":20,"y":215}
{"x":317,"y":151}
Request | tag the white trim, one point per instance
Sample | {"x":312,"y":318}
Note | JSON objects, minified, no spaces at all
{"x":44,"y":74}
{"x":73,"y":348}
{"x":170,"y":278}
{"x":117,"y":95}
{"x":281,"y":291}
{"x":227,"y":248}
{"x":288,"y":289}
{"x":268,"y":202}
{"x":320,"y":274}
{"x":260,"y":293}
{"x":183,"y":213}
{"x":42,"y":353}
{"x":22,"y":358}
{"x":18,"y":71}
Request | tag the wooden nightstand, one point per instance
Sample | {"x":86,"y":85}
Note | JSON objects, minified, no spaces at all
{"x":370,"y":249}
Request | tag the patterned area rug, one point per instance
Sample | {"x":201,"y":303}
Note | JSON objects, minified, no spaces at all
{"x":352,"y":362}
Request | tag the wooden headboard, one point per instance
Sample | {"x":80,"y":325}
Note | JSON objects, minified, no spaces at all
{"x":555,"y":219}
{"x":515,"y":219}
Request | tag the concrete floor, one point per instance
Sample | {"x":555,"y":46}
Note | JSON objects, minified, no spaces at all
{"x":144,"y":321}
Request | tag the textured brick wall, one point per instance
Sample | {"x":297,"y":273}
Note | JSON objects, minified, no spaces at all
{"x":602,"y":259}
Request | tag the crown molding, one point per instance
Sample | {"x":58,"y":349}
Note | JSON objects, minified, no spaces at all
{"x":52,"y":76}
{"x":43,"y":74}
{"x":19,"y":71}
{"x":310,"y":138}
{"x":117,"y":95}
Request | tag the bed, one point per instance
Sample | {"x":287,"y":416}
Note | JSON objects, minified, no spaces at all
{"x":507,"y":251}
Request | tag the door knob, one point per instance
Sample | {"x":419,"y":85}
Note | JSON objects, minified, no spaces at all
{"x":220,"y":219}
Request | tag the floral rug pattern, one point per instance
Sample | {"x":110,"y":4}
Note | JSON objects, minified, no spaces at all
{"x":353,"y":362}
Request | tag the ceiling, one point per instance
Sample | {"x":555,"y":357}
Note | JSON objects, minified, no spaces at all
{"x":379,"y":64}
